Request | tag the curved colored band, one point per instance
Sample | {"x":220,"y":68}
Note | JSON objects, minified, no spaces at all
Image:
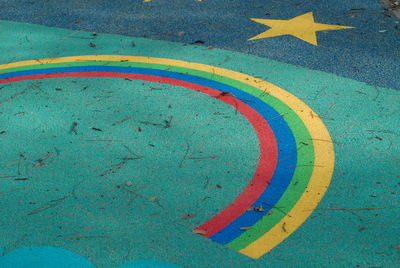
{"x":224,"y":227}
{"x":259,"y":239}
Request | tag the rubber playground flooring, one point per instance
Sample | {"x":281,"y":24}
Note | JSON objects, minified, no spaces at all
{"x":121,"y":151}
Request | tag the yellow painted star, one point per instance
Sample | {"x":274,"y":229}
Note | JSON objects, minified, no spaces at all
{"x":302,"y":27}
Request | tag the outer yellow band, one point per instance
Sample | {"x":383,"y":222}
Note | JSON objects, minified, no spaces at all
{"x":323,"y":146}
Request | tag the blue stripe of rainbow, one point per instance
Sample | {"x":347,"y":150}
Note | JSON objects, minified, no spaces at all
{"x":284,"y":137}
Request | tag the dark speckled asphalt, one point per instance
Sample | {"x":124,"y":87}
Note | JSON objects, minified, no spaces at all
{"x":368,"y":53}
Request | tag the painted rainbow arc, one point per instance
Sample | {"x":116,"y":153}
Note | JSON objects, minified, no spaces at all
{"x":296,"y":152}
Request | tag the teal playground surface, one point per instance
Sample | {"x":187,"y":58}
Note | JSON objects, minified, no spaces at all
{"x":109,"y":170}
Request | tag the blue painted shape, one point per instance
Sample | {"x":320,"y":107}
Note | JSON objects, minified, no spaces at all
{"x":148,"y":264}
{"x":287,"y":151}
{"x":44,"y":257}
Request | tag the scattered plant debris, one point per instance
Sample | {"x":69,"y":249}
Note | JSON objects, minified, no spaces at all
{"x":257,"y":209}
{"x":198,"y":42}
{"x":121,"y":121}
{"x":131,"y":156}
{"x":362,"y":228}
{"x":284,"y":227}
{"x":74,"y":128}
{"x":40,"y":161}
{"x":152,"y":199}
{"x":21,"y":179}
{"x":198,"y":231}
{"x":97,"y":129}
{"x":371,"y":208}
{"x":188,"y":216}
{"x":52,"y":203}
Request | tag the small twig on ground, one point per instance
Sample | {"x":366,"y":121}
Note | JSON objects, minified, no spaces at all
{"x":10,"y":191}
{"x":14,"y":245}
{"x":207,"y":182}
{"x":101,"y":140}
{"x":186,"y":154}
{"x":202,"y":157}
{"x":98,"y":100}
{"x":36,"y":86}
{"x":236,"y":106}
{"x":205,"y":198}
{"x":120,"y":165}
{"x":284,"y":227}
{"x":157,"y":201}
{"x":121,"y":121}
{"x":222,"y":94}
{"x":280,"y":209}
{"x":21,"y":157}
{"x":351,"y":209}
{"x":152,"y":199}
{"x":52,"y":203}
{"x":74,"y":128}
{"x":65,"y":37}
{"x":133,"y":191}
{"x":85,"y":236}
{"x":131,"y":152}
{"x":150,"y":123}
{"x":168,"y":122}
{"x":40,"y":161}
{"x":74,"y":189}
{"x":131,"y":156}
{"x":198,"y":231}
{"x":257,"y":208}
{"x":21,"y":179}
{"x":14,"y":96}
{"x":96,"y":129}
{"x":281,"y":115}
{"x":188,"y":216}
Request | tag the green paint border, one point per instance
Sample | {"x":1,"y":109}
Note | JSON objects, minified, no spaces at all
{"x":305,"y":154}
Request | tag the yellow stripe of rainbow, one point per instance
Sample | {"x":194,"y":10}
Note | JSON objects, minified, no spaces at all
{"x":323,"y":146}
